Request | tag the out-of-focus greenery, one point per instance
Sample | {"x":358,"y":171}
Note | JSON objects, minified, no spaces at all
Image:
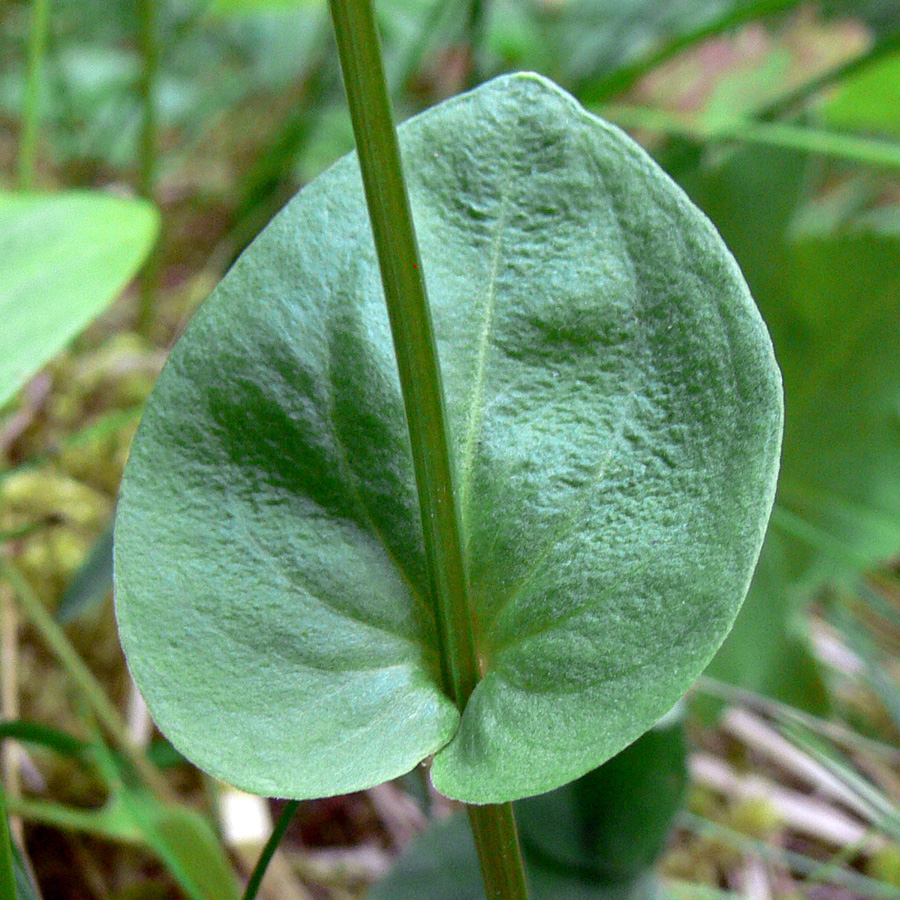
{"x":779,"y":118}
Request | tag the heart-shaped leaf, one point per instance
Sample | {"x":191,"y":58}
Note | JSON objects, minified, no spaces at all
{"x":615,"y":411}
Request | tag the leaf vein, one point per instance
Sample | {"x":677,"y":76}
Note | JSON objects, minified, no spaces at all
{"x":568,"y":526}
{"x":476,"y":412}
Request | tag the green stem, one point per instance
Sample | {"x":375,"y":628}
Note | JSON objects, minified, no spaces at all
{"x":780,"y":107}
{"x":591,"y":91}
{"x":59,"y":645}
{"x":475,"y":37}
{"x":410,"y":317}
{"x":497,"y":843}
{"x":7,"y":873}
{"x":96,"y":822}
{"x":868,"y":151}
{"x":268,"y":852}
{"x":37,"y":44}
{"x":423,"y":397}
{"x":149,"y":46}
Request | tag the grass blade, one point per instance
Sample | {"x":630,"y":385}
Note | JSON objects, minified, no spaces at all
{"x":862,"y":150}
{"x":7,"y":873}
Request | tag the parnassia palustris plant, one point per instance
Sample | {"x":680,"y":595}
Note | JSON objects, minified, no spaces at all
{"x":615,"y":414}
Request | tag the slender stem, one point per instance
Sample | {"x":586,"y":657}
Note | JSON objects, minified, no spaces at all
{"x":95,"y":822}
{"x":59,"y":645}
{"x":475,"y":33}
{"x":149,"y":46}
{"x":886,"y":45}
{"x":37,"y":44}
{"x":591,"y":91}
{"x":869,"y":151}
{"x":423,"y":397}
{"x":497,"y":843}
{"x":420,"y":380}
{"x":7,"y":873}
{"x":268,"y":851}
{"x":10,"y":755}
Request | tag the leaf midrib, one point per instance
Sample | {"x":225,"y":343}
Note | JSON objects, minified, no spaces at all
{"x":475,"y":415}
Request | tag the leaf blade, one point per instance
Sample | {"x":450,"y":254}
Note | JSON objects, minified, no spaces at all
{"x":66,"y":257}
{"x":272,"y":472}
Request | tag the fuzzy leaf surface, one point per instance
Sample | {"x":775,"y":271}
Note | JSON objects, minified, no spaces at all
{"x":615,"y":414}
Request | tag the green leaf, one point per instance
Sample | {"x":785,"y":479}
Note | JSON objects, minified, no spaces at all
{"x":615,"y":413}
{"x":828,"y":290}
{"x":8,"y":889}
{"x":613,"y":823}
{"x":92,"y":583}
{"x":842,"y":453}
{"x":831,"y":300}
{"x":867,"y":101}
{"x":186,"y":843}
{"x":594,"y":839}
{"x":65,"y":258}
{"x":181,"y":838}
{"x":441,"y":862}
{"x":44,"y":736}
{"x":753,"y":197}
{"x":768,"y":651}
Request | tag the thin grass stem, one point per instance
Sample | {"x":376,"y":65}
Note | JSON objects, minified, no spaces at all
{"x":7,"y":873}
{"x":149,"y":142}
{"x":60,"y":646}
{"x":37,"y":48}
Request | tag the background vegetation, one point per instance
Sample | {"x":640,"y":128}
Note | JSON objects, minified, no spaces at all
{"x":781,"y":119}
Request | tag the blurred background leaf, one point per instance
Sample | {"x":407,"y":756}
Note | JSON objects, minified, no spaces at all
{"x":73,"y":251}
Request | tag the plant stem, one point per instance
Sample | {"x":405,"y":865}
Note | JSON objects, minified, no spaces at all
{"x":149,"y":46}
{"x":885,"y":46}
{"x":497,"y":843}
{"x":9,"y":696}
{"x":864,"y":150}
{"x":59,"y":645}
{"x":591,"y":91}
{"x":414,"y":343}
{"x":268,"y":851}
{"x":423,"y":397}
{"x":475,"y":33}
{"x":7,"y":873}
{"x":37,"y":43}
